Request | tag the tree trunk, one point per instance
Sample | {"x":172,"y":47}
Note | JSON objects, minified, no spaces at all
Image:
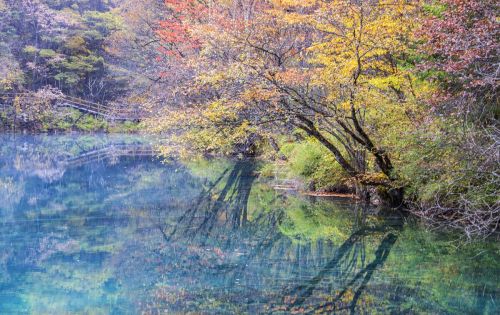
{"x":362,"y":193}
{"x":276,"y":148}
{"x":391,"y":197}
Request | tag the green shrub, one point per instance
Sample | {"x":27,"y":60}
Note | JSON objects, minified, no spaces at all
{"x":305,"y":158}
{"x":47,"y":53}
{"x":125,"y":127}
{"x":30,"y":50}
{"x":267,"y":170}
{"x":454,"y":177}
{"x":312,"y":162}
{"x":90,"y":123}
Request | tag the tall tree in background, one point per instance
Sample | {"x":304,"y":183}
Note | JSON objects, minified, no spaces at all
{"x":457,"y":178}
{"x":462,"y":37}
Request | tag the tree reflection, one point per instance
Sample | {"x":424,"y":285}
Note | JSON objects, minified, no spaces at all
{"x":228,"y":204}
{"x":219,"y":221}
{"x":344,"y":263}
{"x":148,"y":237}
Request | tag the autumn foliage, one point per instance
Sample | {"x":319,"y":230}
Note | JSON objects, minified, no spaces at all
{"x":352,"y":76}
{"x":461,"y":40}
{"x":464,"y":40}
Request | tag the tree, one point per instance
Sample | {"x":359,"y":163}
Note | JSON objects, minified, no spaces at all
{"x":452,"y":171}
{"x":63,"y":45}
{"x":462,"y":39}
{"x":323,"y":68}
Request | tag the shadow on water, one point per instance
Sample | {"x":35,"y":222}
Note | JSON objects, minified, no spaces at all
{"x":101,"y":227}
{"x":359,"y":278}
{"x":231,"y":204}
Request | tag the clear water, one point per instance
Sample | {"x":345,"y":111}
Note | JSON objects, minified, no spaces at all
{"x":96,"y":225}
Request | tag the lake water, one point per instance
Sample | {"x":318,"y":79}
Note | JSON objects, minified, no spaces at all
{"x":98,"y":225}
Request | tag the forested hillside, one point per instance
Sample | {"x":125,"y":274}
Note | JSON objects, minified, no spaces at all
{"x":62,"y":44}
{"x":97,"y":50}
{"x":100,"y":50}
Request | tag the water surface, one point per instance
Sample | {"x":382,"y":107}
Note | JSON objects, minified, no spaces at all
{"x":98,"y":225}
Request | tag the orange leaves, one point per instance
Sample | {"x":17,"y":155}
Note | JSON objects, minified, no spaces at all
{"x":258,"y":94}
{"x":293,"y":76}
{"x":175,"y":33}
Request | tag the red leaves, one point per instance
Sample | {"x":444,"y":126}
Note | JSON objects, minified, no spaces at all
{"x":464,"y":41}
{"x":174,"y":33}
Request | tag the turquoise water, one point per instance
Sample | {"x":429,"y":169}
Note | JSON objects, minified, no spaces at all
{"x":98,"y":225}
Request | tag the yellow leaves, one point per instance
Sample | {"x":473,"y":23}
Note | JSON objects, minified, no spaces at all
{"x":295,"y":18}
{"x":220,"y":77}
{"x":12,"y":75}
{"x":360,"y":37}
{"x":345,"y":105}
{"x":138,"y":99}
{"x":207,"y":128}
{"x":213,"y":79}
{"x":214,"y":127}
{"x":76,"y":44}
{"x":170,"y":120}
{"x":356,"y":57}
{"x":287,"y":11}
{"x":222,"y":110}
{"x":293,"y":3}
{"x":17,"y":105}
{"x":290,"y":17}
{"x":393,"y":81}
{"x":422,"y":89}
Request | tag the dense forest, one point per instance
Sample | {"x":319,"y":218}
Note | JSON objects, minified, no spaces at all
{"x":82,"y":48}
{"x":395,"y":101}
{"x":93,"y":50}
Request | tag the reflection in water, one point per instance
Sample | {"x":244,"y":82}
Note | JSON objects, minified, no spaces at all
{"x":116,"y":231}
{"x":344,"y":262}
{"x":231,"y":205}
